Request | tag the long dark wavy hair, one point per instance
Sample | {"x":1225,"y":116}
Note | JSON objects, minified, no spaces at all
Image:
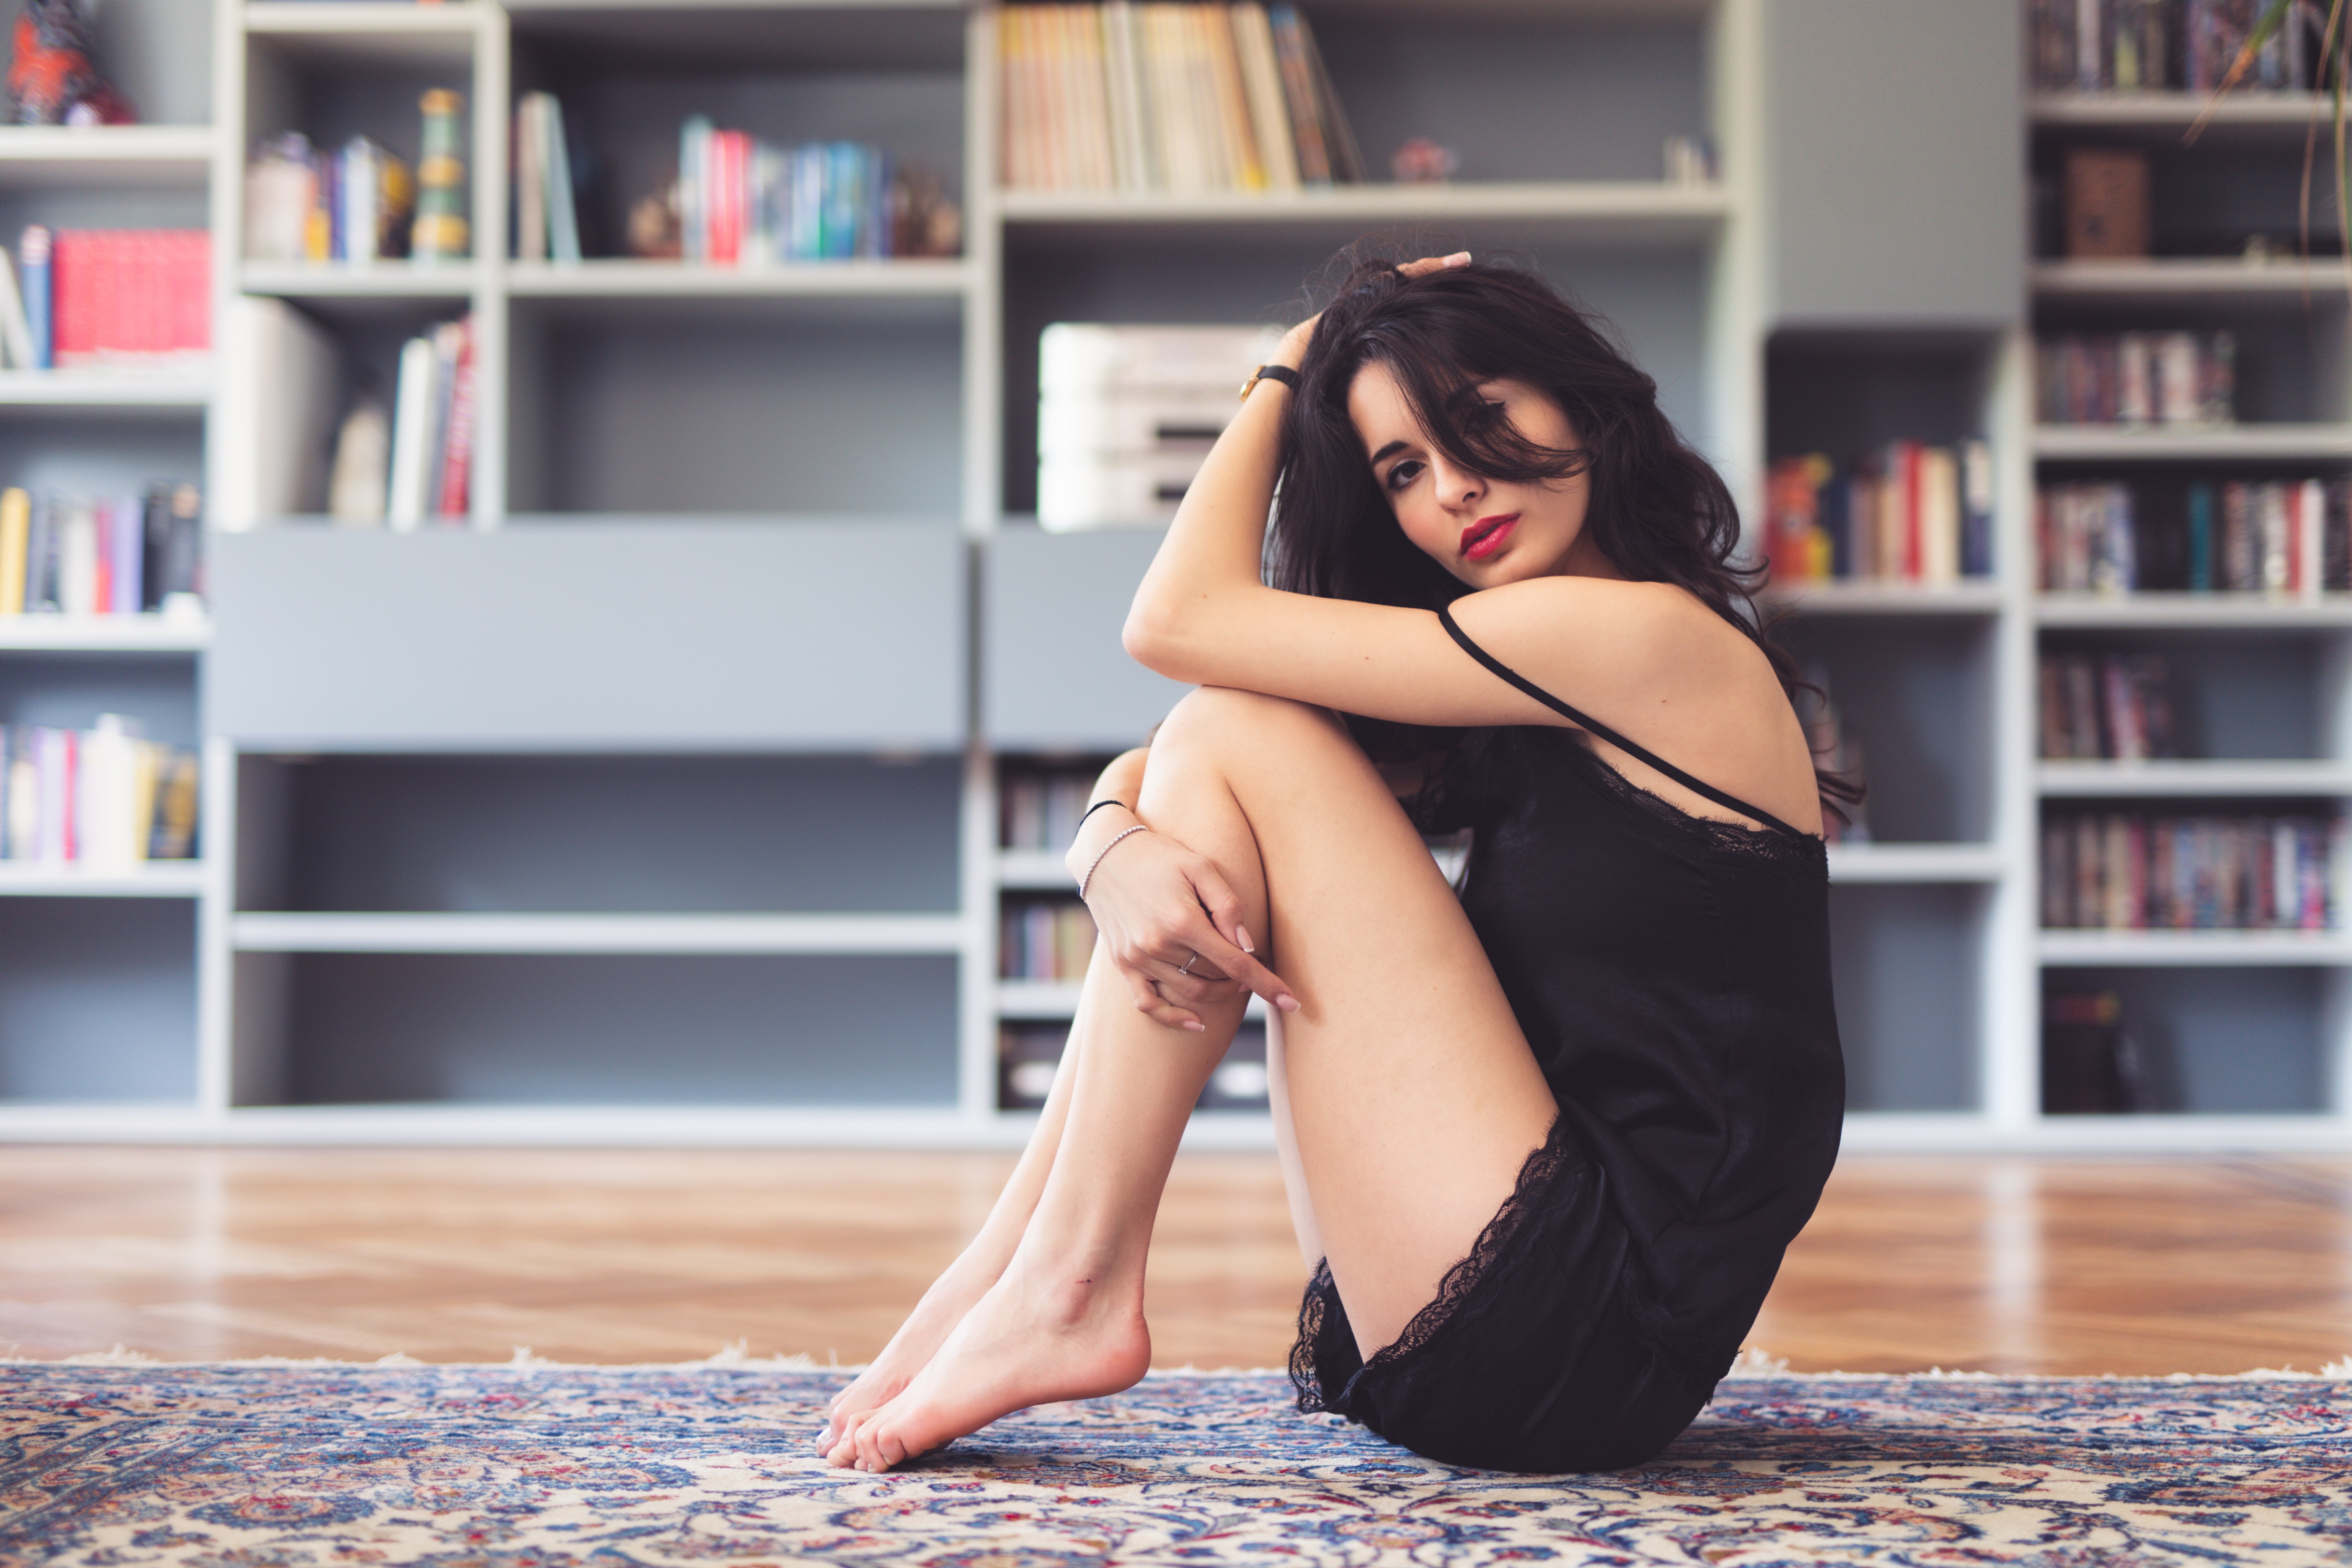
{"x":1656,"y":509}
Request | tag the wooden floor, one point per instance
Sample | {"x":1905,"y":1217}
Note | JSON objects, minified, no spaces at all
{"x":1999,"y":1265}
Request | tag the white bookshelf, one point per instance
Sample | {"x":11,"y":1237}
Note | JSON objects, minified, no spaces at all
{"x":590,"y":372}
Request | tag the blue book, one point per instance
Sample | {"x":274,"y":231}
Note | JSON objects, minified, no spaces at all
{"x":33,"y":278}
{"x":2200,"y":539}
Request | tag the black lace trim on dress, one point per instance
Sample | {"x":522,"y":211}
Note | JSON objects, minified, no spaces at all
{"x":1456,"y":1292}
{"x":1801,"y":851}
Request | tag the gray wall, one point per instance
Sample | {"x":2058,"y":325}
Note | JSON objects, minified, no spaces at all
{"x":1894,"y":168}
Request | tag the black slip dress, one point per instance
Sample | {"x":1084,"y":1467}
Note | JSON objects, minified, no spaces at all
{"x":1672,"y":975}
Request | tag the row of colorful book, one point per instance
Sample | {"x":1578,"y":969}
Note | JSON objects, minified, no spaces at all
{"x":1908,"y":513}
{"x":100,"y":555}
{"x":1160,"y":97}
{"x":2146,"y":871}
{"x":2114,"y":707}
{"x":2137,"y":378}
{"x":1045,"y":939}
{"x":101,"y":798}
{"x":306,"y":204}
{"x":743,"y":203}
{"x":2127,"y":46}
{"x":2287,"y":537}
{"x":107,"y":299}
{"x":1040,"y":810}
{"x":1029,"y":1054}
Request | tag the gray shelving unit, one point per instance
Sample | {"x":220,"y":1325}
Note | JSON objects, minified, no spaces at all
{"x":661,"y":804}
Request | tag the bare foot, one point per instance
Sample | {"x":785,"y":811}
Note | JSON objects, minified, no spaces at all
{"x":1025,"y":1343}
{"x":935,"y":1317}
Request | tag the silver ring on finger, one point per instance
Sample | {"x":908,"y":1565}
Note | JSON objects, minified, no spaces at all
{"x":1186,"y":969}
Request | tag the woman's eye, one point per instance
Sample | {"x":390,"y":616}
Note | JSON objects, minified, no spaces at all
{"x":1404,"y":474}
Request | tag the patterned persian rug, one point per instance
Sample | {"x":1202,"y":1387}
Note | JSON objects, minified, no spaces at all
{"x":534,"y":1465}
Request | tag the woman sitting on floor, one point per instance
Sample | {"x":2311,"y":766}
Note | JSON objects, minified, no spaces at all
{"x":1545,"y":1141}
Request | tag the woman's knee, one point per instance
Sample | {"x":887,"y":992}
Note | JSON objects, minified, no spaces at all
{"x":1214,"y":717}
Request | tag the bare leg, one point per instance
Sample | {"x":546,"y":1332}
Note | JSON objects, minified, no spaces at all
{"x":977,"y":1268}
{"x":1413,"y":1094}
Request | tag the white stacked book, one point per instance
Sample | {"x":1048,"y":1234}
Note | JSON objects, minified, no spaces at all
{"x":1125,"y":416}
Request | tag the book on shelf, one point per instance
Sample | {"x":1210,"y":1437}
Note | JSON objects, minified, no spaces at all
{"x":1126,"y":415}
{"x":1192,"y":98}
{"x":1908,"y":513}
{"x":2143,"y":46}
{"x":432,"y":429}
{"x":1039,"y":808}
{"x":2288,"y":538}
{"x":2116,"y":706}
{"x":547,"y":222}
{"x":2092,"y":1064}
{"x":745,"y":203}
{"x":101,"y":798}
{"x":2137,"y":378}
{"x":1048,"y":940}
{"x":100,"y":555}
{"x":2151,"y":871}
{"x":304,"y":204}
{"x":107,"y":300}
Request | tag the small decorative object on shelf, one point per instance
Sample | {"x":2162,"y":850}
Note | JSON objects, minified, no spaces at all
{"x":1421,"y":162}
{"x":50,"y":79}
{"x":2090,"y":1063}
{"x":1690,"y":161}
{"x":1189,"y":99}
{"x":100,"y":555}
{"x":2137,"y":378}
{"x":1909,"y":512}
{"x":441,"y":233}
{"x":1127,"y":414}
{"x":2138,"y":871}
{"x":2285,"y":537}
{"x":2111,"y":707}
{"x":101,"y":798}
{"x":357,"y":482}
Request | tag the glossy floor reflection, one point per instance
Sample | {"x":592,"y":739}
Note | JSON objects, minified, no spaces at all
{"x":2006,"y":1265}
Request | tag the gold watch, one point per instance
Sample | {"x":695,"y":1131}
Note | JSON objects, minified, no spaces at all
{"x":1281,"y":372}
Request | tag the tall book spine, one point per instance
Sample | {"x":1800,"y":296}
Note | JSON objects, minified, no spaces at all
{"x":412,"y":435}
{"x":530,"y":180}
{"x":455,"y":476}
{"x":1242,"y":158}
{"x":127,"y":559}
{"x":448,"y":345}
{"x":33,"y":258}
{"x":1262,"y":79}
{"x":1129,"y":104}
{"x":1298,"y":94}
{"x":563,"y":216}
{"x":16,"y":542}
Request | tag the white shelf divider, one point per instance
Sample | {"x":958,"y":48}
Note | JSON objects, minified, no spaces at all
{"x":1033,"y":870}
{"x":1901,"y":863}
{"x":390,"y":280}
{"x":2194,"y":948}
{"x":616,"y":278}
{"x":103,"y":634}
{"x":2063,"y":780}
{"x":156,"y":879}
{"x":1851,"y":598}
{"x":130,"y":391}
{"x":2214,"y":612}
{"x":600,"y":933}
{"x":81,"y":157}
{"x":2193,"y":443}
{"x":2166,"y":281}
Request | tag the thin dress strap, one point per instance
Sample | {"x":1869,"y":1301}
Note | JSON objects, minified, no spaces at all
{"x":1733,"y":802}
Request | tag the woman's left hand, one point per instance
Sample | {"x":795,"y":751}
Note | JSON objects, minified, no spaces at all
{"x":1293,"y":347}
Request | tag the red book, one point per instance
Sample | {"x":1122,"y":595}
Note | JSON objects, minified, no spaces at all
{"x":458,"y":460}
{"x":69,"y":283}
{"x":730,"y":159}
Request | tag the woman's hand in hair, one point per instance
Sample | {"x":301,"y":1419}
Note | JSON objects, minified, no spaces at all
{"x":1157,"y":905}
{"x":1295,"y":341}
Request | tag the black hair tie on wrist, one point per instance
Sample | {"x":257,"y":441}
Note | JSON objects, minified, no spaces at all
{"x":1097,"y":806}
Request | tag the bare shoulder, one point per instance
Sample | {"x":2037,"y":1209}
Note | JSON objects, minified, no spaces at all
{"x":1609,"y":640}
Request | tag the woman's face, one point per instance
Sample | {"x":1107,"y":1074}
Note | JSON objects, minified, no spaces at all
{"x":1485,"y":531}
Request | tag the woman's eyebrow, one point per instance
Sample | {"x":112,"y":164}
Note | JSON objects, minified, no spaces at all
{"x":1391,"y":447}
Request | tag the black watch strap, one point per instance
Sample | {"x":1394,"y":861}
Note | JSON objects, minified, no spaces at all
{"x":1281,"y":372}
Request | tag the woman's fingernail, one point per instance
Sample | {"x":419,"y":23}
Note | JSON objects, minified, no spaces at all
{"x":1245,"y":944}
{"x":1192,"y":1025}
{"x":1459,"y":258}
{"x":1287,"y":1003}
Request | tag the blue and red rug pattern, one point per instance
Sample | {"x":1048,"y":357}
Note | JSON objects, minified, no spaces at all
{"x":293,"y":1465}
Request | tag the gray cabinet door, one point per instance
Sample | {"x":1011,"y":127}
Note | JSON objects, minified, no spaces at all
{"x":1894,"y":180}
{"x":604,"y":635}
{"x":1053,"y":674}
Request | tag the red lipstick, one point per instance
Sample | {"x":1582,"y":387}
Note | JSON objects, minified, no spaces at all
{"x":1487,"y":536}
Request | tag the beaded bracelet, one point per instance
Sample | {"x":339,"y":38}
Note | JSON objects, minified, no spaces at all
{"x":1088,"y":879}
